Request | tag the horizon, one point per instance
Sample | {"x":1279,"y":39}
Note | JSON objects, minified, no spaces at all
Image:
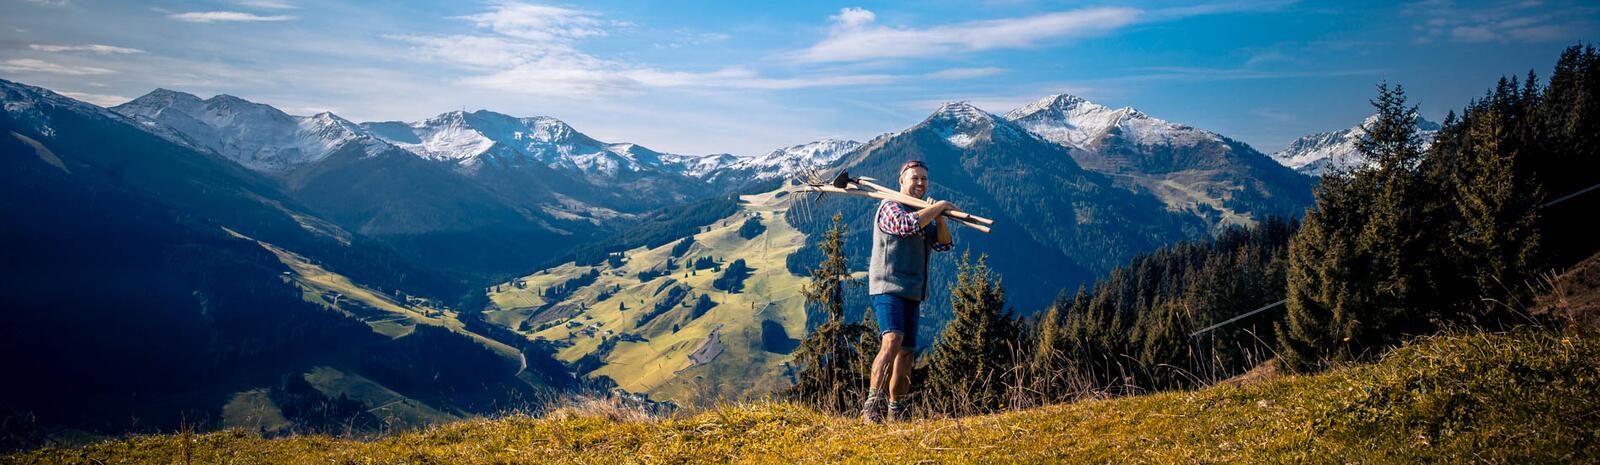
{"x":744,"y":79}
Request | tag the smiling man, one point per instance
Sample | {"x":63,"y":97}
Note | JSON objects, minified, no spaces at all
{"x":897,"y":279}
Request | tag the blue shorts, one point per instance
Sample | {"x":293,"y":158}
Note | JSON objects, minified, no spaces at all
{"x":897,"y":314}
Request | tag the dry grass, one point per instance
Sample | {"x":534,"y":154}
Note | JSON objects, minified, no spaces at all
{"x":1529,"y":397}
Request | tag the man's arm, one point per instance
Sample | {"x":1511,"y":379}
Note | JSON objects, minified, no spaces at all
{"x":927,"y":215}
{"x":942,"y":240}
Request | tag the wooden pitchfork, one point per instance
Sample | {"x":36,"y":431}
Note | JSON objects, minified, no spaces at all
{"x":866,"y":187}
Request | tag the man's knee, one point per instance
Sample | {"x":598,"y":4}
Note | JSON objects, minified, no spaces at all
{"x":891,"y":343}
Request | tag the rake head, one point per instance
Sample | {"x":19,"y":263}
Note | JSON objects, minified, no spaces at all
{"x":843,"y":180}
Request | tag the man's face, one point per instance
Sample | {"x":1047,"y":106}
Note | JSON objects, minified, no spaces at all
{"x":914,"y":182}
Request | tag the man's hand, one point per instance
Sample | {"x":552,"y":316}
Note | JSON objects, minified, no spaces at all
{"x":943,"y":205}
{"x":934,"y":211}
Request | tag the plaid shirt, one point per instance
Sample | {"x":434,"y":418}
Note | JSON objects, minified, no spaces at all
{"x":894,"y":219}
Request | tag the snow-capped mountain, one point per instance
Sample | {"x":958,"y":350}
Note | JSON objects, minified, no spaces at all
{"x":963,"y":125}
{"x":1080,"y":124}
{"x":1222,"y":180}
{"x":27,"y":106}
{"x":1321,"y":153}
{"x":781,"y":163}
{"x":474,"y":139}
{"x":255,"y":135}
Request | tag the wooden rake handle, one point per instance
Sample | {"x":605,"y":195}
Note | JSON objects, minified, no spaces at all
{"x":883,"y":196}
{"x":919,"y":203}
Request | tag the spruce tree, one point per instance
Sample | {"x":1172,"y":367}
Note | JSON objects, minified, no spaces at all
{"x":830,"y":372}
{"x":969,"y":368}
{"x":1361,"y":271}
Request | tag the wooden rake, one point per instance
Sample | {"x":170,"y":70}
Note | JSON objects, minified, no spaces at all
{"x":868,"y":187}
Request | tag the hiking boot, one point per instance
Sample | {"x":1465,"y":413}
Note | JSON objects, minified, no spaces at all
{"x":899,"y":411}
{"x":872,"y":410}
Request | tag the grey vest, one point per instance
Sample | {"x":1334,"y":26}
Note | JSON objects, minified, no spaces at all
{"x":899,"y":264}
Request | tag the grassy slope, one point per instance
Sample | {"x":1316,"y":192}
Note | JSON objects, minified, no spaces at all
{"x":253,"y":410}
{"x":1529,"y":397}
{"x":398,"y":318}
{"x":658,"y":366}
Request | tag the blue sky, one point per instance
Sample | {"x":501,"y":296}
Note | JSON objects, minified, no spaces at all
{"x":747,"y":77}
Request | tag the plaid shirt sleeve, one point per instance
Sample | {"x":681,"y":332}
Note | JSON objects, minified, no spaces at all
{"x":894,"y":219}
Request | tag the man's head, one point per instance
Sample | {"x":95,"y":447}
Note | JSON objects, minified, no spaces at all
{"x":914,"y":179}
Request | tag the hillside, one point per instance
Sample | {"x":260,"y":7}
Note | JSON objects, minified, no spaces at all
{"x":166,"y":285}
{"x":1527,"y":397}
{"x":641,"y":332}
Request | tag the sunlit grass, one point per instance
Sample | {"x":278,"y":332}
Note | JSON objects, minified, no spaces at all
{"x":1523,"y":398}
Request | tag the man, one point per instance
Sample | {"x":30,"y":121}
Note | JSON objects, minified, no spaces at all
{"x":897,"y":280}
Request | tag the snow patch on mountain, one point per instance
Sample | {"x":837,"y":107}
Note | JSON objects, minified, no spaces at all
{"x":255,"y":135}
{"x":485,"y":136}
{"x":1322,"y":153}
{"x":963,"y":125}
{"x":1074,"y":122}
{"x":28,"y":106}
{"x":787,"y":161}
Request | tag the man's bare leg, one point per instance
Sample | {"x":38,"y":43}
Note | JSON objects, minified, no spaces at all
{"x":900,"y":385}
{"x":873,"y":408}
{"x":886,"y":363}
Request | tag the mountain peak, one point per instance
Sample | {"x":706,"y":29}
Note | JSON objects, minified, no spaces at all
{"x":961,"y":110}
{"x":1324,"y":152}
{"x":963,"y":124}
{"x":1073,"y":121}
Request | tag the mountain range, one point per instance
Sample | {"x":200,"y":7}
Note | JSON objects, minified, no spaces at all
{"x":435,"y":220}
{"x":1325,"y":152}
{"x":462,"y":191}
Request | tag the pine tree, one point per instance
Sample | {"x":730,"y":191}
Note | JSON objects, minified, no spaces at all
{"x":1360,"y":271}
{"x":830,"y":374}
{"x":1052,"y":357}
{"x":970,"y":366}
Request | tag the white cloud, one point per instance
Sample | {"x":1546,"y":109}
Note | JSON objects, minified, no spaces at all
{"x":682,"y":39}
{"x":481,"y":51}
{"x":540,"y":22}
{"x":533,"y":49}
{"x":98,"y":99}
{"x":29,"y":65}
{"x":91,"y":48}
{"x":853,"y":17}
{"x":226,"y":16}
{"x":855,"y":36}
{"x":965,"y":73}
{"x":266,"y":4}
{"x":1521,"y":22}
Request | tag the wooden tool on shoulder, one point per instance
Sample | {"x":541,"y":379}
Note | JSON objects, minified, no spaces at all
{"x":867,"y":187}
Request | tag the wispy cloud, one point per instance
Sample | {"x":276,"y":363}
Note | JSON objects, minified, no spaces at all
{"x":965,"y":73}
{"x":680,"y":39}
{"x":856,"y":36}
{"x":534,"y":49}
{"x":98,"y":99}
{"x":226,"y":16}
{"x":541,"y":23}
{"x":1527,"y":21}
{"x":30,"y":65}
{"x":266,"y":4}
{"x":90,"y":48}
